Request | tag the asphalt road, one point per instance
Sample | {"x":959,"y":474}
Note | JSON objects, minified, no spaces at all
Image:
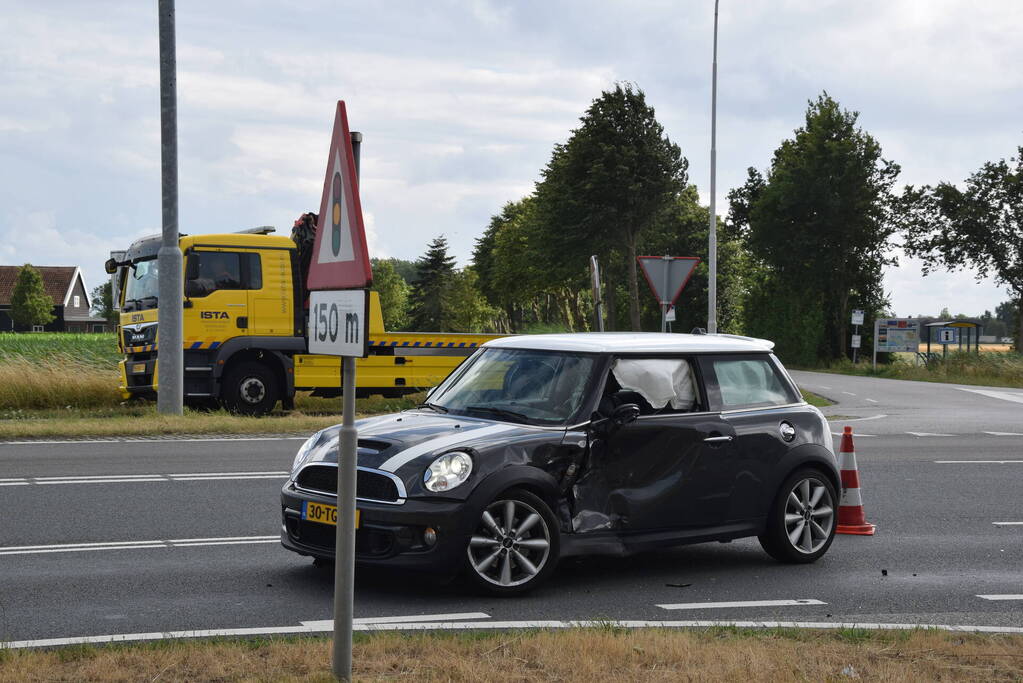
{"x":141,"y":537}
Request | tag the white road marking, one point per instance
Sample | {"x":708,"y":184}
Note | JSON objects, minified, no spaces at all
{"x":1015,"y":397}
{"x":328,"y":624}
{"x":1001,"y":597}
{"x":326,"y":627}
{"x":857,"y":435}
{"x":134,"y":545}
{"x":141,"y":478}
{"x":1007,"y":523}
{"x":871,"y":400}
{"x":972,"y":462}
{"x":823,"y":387}
{"x":1004,"y":433}
{"x":865,"y":419}
{"x":848,"y":393}
{"x":747,"y":603}
{"x":928,"y":434}
{"x":130,"y":441}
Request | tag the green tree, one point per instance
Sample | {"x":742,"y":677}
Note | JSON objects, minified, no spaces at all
{"x":434,"y":272}
{"x":980,"y":226}
{"x":103,"y":302}
{"x":30,"y":304}
{"x":604,"y":187}
{"x":818,"y":229}
{"x":394,"y":294}
{"x":464,"y":308}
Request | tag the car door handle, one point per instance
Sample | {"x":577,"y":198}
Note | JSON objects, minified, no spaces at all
{"x":718,"y":439}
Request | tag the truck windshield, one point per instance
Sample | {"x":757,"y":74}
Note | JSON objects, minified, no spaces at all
{"x":519,"y":385}
{"x":141,"y":286}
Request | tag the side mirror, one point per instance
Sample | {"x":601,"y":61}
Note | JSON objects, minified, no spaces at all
{"x":624,"y":414}
{"x":620,"y":416}
{"x":110,"y":265}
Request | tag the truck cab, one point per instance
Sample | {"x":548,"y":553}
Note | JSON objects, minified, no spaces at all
{"x":245,"y":329}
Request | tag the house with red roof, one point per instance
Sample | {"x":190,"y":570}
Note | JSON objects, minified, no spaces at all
{"x":71,"y":303}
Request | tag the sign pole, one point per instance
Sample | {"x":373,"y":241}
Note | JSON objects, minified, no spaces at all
{"x":598,"y":300}
{"x":665,"y":305}
{"x":344,"y":556}
{"x":171,"y":352}
{"x":712,"y":230}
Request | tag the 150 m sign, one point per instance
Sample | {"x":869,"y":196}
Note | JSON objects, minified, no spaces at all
{"x":339,"y":322}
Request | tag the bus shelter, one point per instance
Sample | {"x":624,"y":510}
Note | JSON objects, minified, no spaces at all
{"x":949,"y":332}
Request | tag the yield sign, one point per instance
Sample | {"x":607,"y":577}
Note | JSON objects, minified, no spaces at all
{"x":667,"y":275}
{"x":340,"y":257}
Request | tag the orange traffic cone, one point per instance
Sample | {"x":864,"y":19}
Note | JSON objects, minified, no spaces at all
{"x":850,"y":509}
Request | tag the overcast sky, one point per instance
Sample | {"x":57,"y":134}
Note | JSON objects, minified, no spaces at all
{"x":460,"y":104}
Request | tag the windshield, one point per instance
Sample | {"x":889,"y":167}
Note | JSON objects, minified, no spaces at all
{"x":141,"y":286}
{"x":516,"y":385}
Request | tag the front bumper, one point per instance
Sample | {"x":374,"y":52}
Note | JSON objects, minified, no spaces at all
{"x":388,"y":535}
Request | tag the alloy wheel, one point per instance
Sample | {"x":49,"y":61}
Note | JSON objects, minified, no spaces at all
{"x":511,"y":545}
{"x":809,"y":516}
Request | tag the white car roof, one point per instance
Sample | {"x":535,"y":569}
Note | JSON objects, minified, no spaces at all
{"x":634,"y":342}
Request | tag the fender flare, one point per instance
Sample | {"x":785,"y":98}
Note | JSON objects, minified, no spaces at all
{"x":516,"y":476}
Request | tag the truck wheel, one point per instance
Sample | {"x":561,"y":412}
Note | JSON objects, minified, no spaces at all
{"x":250,"y":388}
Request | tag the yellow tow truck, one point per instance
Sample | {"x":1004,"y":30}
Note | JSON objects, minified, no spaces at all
{"x":245,"y":328}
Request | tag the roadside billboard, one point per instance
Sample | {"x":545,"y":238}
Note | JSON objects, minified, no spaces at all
{"x":896,"y":335}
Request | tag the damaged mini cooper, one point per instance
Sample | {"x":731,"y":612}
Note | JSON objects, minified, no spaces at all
{"x":547,"y":446}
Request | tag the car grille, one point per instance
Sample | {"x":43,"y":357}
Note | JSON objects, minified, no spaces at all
{"x":368,"y":485}
{"x":368,"y":542}
{"x":146,"y":335}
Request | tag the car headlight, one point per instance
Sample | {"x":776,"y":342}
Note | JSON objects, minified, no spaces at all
{"x":304,"y":452}
{"x":448,"y":471}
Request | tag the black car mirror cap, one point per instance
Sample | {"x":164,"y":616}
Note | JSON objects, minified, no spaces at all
{"x":624,"y":414}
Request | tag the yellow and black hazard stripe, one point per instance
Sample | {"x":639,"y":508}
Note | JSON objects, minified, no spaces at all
{"x":422,"y":344}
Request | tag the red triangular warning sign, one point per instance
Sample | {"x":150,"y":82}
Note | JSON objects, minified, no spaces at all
{"x":340,"y":258}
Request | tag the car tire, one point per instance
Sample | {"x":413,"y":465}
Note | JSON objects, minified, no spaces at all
{"x":250,"y":388}
{"x":502,"y":563}
{"x":802,"y":520}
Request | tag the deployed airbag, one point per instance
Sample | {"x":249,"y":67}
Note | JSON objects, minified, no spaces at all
{"x":659,"y":380}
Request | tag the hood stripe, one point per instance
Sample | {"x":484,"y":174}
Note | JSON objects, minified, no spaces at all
{"x":409,"y":454}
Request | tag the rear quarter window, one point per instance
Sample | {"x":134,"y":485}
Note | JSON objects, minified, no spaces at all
{"x":746,"y":382}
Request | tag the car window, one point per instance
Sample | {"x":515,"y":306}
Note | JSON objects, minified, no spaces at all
{"x":217,"y":270}
{"x":749,"y":382}
{"x":662,"y":382}
{"x":540,"y":387}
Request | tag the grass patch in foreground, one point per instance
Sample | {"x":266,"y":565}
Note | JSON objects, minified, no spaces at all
{"x":983,"y":369}
{"x":572,"y":655}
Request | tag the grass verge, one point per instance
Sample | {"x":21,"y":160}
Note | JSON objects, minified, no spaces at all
{"x":573,"y":655}
{"x":141,"y":419}
{"x":815,"y":399}
{"x":985,"y":369}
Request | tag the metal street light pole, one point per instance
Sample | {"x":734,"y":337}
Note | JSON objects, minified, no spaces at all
{"x":712,"y":232}
{"x":170,"y":352}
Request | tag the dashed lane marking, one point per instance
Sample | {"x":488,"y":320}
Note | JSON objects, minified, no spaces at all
{"x":135,"y":545}
{"x":1004,"y":433}
{"x":857,"y":435}
{"x":981,"y":462}
{"x":328,"y":624}
{"x":321,"y":627}
{"x":871,"y":400}
{"x":1007,"y":523}
{"x":1001,"y":597}
{"x":929,"y":434}
{"x":745,"y":603}
{"x":865,"y":419}
{"x":140,"y":478}
{"x":848,"y":393}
